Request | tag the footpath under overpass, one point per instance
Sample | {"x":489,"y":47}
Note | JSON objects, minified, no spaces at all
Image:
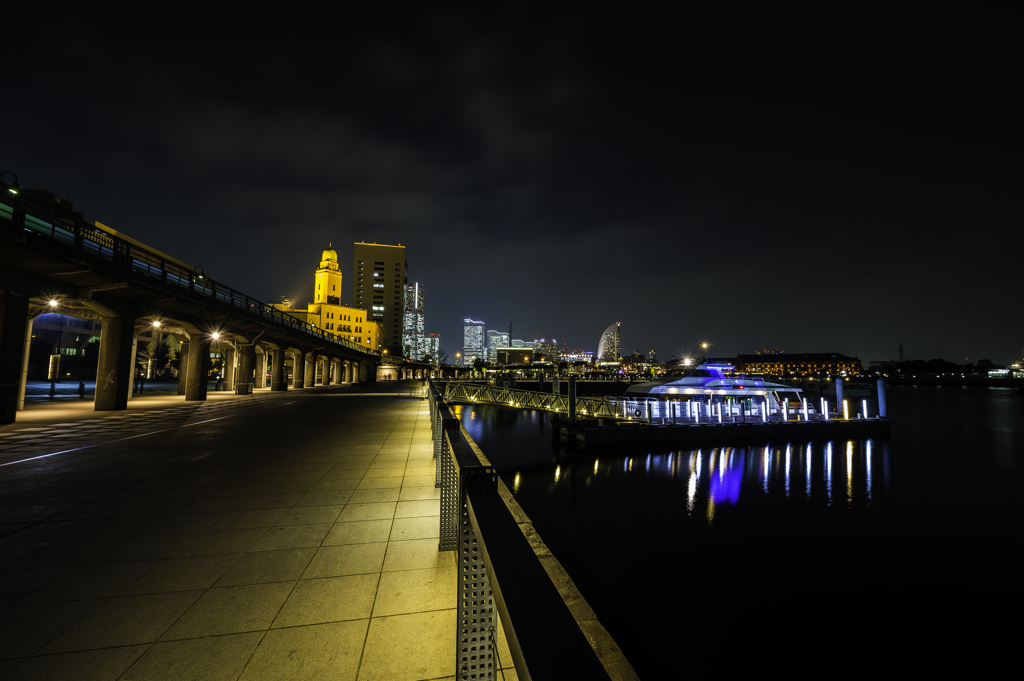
{"x":52,"y":260}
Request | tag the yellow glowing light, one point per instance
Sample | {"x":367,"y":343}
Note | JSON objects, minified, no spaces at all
{"x":558,"y":472}
{"x":215,"y":335}
{"x":53,"y":303}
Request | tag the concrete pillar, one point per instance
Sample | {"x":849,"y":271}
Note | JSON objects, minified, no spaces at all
{"x":229,"y":368}
{"x":336,"y":372}
{"x":883,"y":409}
{"x":135,"y":354}
{"x":24,"y":367}
{"x":13,"y":320}
{"x":299,"y":369}
{"x":278,"y":379}
{"x":182,"y":366}
{"x":311,"y":360}
{"x":114,"y":369}
{"x":839,"y":395}
{"x":260,"y":380}
{"x":348,"y":372}
{"x":243,"y":376}
{"x":198,"y":377}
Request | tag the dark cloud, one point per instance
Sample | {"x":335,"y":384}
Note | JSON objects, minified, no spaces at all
{"x":812,"y":182}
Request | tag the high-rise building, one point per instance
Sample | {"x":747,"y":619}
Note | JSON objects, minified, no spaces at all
{"x":495,"y":339}
{"x":473,"y":342}
{"x":608,"y":348}
{"x":412,"y":335}
{"x":379,"y":272}
{"x":432,"y":347}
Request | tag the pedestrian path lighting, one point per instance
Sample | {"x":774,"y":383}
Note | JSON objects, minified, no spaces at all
{"x":14,"y":185}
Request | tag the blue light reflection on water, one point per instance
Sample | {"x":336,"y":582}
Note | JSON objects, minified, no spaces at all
{"x":888,"y":523}
{"x":711,"y":480}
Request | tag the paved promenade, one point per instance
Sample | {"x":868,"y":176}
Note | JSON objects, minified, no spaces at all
{"x":276,"y":536}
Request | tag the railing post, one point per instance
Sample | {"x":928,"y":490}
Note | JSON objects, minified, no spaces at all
{"x":477,"y":617}
{"x":448,"y":472}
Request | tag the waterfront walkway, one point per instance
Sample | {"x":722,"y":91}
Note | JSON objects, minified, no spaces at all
{"x":276,"y":536}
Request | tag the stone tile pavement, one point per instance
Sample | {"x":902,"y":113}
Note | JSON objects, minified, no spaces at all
{"x":277,"y":536}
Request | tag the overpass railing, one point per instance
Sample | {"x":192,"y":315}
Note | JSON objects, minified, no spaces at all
{"x":506,"y":572}
{"x":69,"y":230}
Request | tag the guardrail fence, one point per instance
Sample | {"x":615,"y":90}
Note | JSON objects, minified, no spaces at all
{"x":501,"y":575}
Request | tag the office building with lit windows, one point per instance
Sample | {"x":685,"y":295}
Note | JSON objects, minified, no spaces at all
{"x":379,"y":273}
{"x":413,"y":332}
{"x":495,"y":340}
{"x":473,"y":342}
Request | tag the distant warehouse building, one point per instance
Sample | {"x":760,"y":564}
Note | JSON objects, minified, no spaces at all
{"x":803,"y":365}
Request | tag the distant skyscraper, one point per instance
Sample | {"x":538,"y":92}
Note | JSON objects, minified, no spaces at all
{"x":379,"y":272}
{"x":431,"y":346}
{"x":412,"y":337}
{"x":608,"y":346}
{"x":473,"y":341}
{"x":495,"y":339}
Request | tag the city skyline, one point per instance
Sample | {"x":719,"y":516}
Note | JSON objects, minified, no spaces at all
{"x":808,"y":183}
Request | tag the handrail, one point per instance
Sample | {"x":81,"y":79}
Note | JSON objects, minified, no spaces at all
{"x":505,"y":571}
{"x":69,"y":230}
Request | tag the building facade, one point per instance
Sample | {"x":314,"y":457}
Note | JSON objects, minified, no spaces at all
{"x":380,"y":273}
{"x":328,"y":314}
{"x":432,"y":347}
{"x":495,"y":340}
{"x":474,"y":342}
{"x":414,"y":325}
{"x":609,"y":347}
{"x":806,"y":365}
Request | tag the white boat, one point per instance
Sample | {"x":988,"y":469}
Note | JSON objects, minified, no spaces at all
{"x":710,"y":380}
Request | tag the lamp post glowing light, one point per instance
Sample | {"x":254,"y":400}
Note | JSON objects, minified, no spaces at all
{"x":53,"y":303}
{"x":14,"y":185}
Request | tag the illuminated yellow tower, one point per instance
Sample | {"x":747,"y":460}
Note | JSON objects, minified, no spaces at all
{"x":326,"y":311}
{"x":328,"y":279}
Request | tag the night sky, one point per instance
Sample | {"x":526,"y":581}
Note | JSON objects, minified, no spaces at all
{"x":841,"y":179}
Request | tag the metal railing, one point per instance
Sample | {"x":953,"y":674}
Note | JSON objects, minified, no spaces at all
{"x":629,"y":408}
{"x":648,"y":409}
{"x":82,"y":238}
{"x":501,"y":575}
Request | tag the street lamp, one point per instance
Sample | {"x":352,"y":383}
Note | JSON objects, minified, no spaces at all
{"x":14,"y":185}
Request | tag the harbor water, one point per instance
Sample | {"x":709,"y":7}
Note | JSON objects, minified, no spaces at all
{"x":786,"y":556}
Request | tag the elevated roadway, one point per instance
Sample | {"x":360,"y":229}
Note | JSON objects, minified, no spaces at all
{"x":53,"y":260}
